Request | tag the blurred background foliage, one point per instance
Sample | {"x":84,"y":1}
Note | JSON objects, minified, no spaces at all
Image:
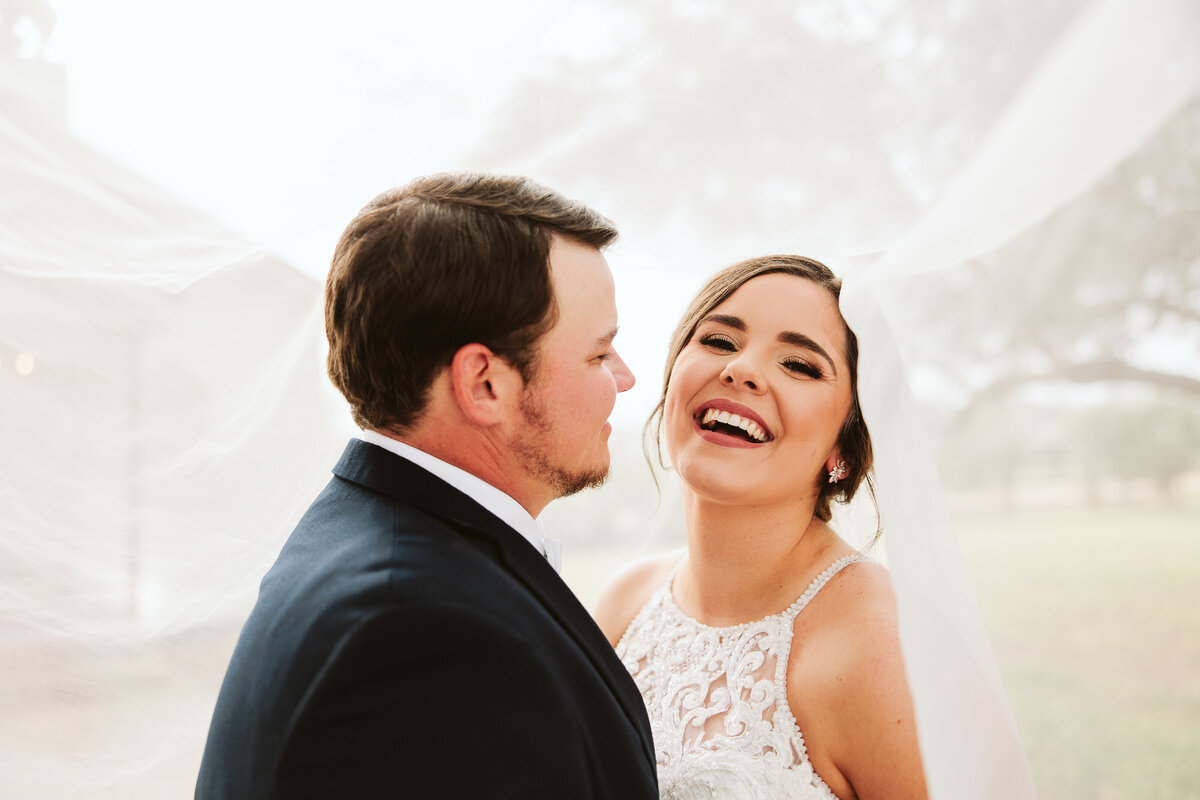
{"x":1093,"y":312}
{"x":743,"y":125}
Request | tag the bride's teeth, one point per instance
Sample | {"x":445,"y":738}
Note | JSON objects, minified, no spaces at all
{"x":752,"y":428}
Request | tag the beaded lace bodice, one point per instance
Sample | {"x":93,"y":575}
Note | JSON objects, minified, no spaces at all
{"x":717,"y":701}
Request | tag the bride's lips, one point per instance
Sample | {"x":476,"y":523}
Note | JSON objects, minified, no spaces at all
{"x":724,"y":439}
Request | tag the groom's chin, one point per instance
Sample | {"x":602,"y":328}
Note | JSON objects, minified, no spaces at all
{"x":574,"y":483}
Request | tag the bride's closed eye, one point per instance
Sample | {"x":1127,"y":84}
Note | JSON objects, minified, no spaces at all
{"x":802,"y":367}
{"x":724,"y":343}
{"x":718,"y":341}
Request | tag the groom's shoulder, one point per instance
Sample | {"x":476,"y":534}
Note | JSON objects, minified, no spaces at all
{"x":355,"y":547}
{"x":361,"y":568}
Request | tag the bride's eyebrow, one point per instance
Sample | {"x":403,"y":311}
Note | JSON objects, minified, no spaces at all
{"x":727,"y":320}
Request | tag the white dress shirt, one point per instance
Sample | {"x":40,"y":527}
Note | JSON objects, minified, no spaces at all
{"x":497,"y":502}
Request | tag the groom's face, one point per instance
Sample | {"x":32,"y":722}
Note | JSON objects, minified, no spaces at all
{"x":564,"y":444}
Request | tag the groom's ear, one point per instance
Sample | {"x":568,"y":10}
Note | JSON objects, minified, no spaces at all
{"x":485,"y":386}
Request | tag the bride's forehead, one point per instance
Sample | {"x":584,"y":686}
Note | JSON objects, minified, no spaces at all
{"x":784,"y":297}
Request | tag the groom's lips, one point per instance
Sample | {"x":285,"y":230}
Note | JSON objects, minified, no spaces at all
{"x":725,"y":439}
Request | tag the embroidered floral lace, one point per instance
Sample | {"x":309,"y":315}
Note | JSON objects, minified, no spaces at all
{"x":717,"y":701}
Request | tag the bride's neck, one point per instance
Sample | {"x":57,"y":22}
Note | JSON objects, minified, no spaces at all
{"x":746,"y":562}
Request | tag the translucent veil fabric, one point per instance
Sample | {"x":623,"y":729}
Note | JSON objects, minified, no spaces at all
{"x":156,"y":371}
{"x":1079,"y":115}
{"x":166,"y":416}
{"x":147,"y":348}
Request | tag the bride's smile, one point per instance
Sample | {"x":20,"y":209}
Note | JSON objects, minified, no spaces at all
{"x":730,"y":424}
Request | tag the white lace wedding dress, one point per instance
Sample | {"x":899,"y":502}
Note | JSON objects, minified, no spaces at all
{"x":717,"y":700}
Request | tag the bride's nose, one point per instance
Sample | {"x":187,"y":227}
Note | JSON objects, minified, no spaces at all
{"x":740,"y":372}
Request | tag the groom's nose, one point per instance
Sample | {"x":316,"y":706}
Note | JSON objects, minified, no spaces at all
{"x":621,"y":372}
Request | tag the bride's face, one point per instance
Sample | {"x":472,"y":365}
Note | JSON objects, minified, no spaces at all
{"x":759,"y":393}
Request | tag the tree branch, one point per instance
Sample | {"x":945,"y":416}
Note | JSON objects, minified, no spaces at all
{"x":1164,"y":305}
{"x":1098,"y":371}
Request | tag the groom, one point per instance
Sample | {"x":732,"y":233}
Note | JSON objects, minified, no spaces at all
{"x":413,"y":639}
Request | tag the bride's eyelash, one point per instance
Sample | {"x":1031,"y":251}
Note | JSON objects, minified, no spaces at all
{"x":803,"y":367}
{"x":719,"y":341}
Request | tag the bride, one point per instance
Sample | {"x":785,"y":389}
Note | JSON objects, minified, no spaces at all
{"x":768,"y":653}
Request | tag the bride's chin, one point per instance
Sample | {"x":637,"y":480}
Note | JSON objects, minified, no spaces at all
{"x":716,"y":482}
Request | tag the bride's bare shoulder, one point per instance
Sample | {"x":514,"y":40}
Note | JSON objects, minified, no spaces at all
{"x":629,"y":589}
{"x":853,"y":611}
{"x":848,"y":689}
{"x":847,"y":637}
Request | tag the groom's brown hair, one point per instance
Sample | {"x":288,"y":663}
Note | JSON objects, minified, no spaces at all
{"x":447,"y":260}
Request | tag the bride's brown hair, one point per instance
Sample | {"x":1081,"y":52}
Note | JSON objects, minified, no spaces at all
{"x":854,"y":438}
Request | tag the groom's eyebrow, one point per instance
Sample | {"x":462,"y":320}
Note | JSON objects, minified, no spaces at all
{"x":605,"y":341}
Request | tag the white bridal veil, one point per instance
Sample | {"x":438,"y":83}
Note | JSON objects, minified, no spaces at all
{"x":165,"y":416}
{"x":1049,"y":145}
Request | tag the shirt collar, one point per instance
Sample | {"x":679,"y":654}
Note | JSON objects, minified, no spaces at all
{"x":497,"y":502}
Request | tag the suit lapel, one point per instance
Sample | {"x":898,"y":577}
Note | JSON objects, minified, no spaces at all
{"x":390,"y":474}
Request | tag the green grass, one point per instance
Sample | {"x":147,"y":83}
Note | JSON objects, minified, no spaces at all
{"x":1095,"y":619}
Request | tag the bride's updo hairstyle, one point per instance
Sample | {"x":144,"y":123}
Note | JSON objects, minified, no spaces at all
{"x":854,"y":439}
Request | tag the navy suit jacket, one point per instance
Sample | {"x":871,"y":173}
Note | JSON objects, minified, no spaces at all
{"x":407,"y":643}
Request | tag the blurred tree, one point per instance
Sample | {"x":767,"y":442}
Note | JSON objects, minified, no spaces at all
{"x":712,"y":122}
{"x":988,"y":453}
{"x":716,"y":119}
{"x":1105,"y":290}
{"x":1156,"y":439}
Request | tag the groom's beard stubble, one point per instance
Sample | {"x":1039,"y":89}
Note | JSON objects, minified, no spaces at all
{"x":534,"y":449}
